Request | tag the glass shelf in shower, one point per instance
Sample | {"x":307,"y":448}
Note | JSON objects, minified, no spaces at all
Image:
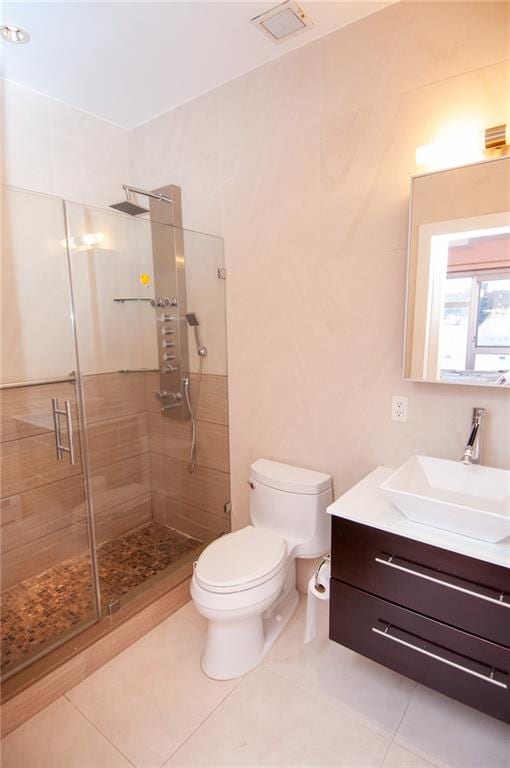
{"x":121,"y":300}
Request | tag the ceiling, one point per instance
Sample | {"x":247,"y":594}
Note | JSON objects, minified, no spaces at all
{"x":129,"y":61}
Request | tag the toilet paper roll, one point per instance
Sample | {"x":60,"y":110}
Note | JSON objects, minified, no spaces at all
{"x":318,"y":589}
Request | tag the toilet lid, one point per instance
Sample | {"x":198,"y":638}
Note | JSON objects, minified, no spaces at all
{"x":241,"y":557}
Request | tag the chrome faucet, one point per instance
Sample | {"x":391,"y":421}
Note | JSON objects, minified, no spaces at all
{"x":472,"y":450}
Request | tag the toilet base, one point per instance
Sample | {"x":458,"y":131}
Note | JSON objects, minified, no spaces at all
{"x":236,"y":646}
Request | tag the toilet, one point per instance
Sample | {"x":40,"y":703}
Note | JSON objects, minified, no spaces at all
{"x":244,"y":583}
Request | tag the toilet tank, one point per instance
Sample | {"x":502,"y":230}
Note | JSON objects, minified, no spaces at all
{"x":292,"y":502}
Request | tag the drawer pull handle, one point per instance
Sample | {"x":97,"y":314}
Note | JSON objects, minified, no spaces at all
{"x":497,"y":601}
{"x":486,"y":678}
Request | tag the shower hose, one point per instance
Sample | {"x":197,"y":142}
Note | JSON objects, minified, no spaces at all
{"x":192,"y":407}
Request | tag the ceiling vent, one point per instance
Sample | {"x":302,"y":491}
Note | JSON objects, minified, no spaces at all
{"x":283,"y":21}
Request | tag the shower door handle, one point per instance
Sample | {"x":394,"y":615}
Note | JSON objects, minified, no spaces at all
{"x":57,"y":413}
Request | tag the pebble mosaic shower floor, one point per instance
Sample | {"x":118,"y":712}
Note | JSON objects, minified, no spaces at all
{"x":41,"y":609}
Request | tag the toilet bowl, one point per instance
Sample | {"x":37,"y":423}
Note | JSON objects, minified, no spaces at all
{"x":244,"y":583}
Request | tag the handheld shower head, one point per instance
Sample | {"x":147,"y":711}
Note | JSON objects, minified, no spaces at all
{"x":192,"y":319}
{"x":194,"y":323}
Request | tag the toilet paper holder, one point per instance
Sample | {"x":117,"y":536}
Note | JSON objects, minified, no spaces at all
{"x":320,"y":587}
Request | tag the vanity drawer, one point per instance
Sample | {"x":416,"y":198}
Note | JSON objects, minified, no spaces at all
{"x":467,"y":668}
{"x":469,"y":594}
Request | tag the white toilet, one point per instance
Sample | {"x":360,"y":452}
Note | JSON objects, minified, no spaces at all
{"x":244,"y":583}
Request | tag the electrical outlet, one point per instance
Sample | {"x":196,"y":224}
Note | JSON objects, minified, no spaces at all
{"x":399,"y":408}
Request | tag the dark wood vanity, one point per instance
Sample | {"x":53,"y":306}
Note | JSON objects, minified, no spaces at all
{"x":436,"y":616}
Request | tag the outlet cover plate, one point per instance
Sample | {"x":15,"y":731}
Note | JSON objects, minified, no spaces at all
{"x":399,"y":408}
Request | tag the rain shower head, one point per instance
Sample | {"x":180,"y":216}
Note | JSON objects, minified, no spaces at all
{"x":127,"y":206}
{"x":133,"y":209}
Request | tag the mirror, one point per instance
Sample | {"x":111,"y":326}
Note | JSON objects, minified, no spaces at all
{"x":458,"y":292}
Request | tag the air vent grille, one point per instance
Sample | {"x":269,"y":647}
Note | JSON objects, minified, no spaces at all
{"x":283,"y":21}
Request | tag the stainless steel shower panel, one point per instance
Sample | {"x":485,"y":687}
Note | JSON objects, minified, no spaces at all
{"x":170,"y":294}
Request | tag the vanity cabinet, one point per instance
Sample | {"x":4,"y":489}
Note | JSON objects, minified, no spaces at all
{"x":438,"y":617}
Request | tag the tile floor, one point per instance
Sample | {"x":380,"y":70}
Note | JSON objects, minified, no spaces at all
{"x":314,"y":705}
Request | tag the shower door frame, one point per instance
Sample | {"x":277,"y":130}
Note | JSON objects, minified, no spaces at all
{"x":80,"y":399}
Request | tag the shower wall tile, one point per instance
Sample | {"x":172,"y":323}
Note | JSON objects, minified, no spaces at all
{"x":213,"y":402}
{"x":43,"y":515}
{"x":195,"y":167}
{"x":90,"y":156}
{"x":158,"y":469}
{"x":30,"y":516}
{"x":27,"y":139}
{"x":26,"y":411}
{"x":112,"y":395}
{"x":151,"y":386}
{"x":31,"y":463}
{"x":85,"y":142}
{"x":206,"y":488}
{"x":172,"y":437}
{"x":139,"y":157}
{"x":35,"y":290}
{"x":38,"y":554}
{"x":118,"y":520}
{"x":33,"y":558}
{"x":168,"y":436}
{"x":213,"y":446}
{"x":111,"y":440}
{"x":116,"y":483}
{"x":190,"y":520}
{"x":54,"y":148}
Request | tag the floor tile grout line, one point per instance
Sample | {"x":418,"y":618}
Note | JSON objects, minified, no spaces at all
{"x":392,"y":742}
{"x":423,"y":756}
{"x":77,"y":709}
{"x":236,"y":686}
{"x":348,"y":711}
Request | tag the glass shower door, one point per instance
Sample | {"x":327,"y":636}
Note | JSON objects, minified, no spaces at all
{"x":48,"y":587}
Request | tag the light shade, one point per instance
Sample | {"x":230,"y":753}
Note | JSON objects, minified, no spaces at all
{"x":14,"y":34}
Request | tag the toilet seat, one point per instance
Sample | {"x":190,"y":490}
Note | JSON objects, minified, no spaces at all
{"x":241,"y":560}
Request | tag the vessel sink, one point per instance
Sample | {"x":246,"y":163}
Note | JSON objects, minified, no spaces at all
{"x":471,"y":500}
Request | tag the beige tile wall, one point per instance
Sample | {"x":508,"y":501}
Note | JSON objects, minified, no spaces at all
{"x":303,"y":166}
{"x":54,"y":148}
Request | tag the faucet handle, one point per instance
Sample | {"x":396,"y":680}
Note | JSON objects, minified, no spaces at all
{"x":478,"y":414}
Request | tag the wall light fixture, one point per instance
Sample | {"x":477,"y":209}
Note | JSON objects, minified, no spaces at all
{"x":463,"y":142}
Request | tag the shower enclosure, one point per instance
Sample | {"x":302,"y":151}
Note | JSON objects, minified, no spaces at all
{"x":102,"y":389}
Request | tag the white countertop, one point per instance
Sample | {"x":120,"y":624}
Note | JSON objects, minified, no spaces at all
{"x":365,"y":503}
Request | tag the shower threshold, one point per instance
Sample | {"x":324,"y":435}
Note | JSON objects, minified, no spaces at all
{"x":59,"y":602}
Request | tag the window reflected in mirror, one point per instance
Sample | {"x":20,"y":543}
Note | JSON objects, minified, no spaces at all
{"x":458,"y":311}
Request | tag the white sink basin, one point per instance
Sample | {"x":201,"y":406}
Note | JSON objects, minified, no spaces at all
{"x":470,"y":500}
